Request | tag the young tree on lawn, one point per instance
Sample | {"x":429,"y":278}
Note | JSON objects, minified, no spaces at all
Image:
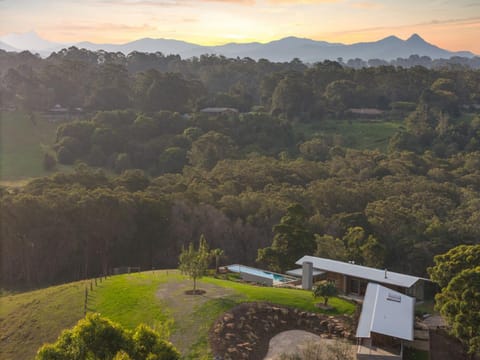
{"x":194,"y":262}
{"x":325,"y":290}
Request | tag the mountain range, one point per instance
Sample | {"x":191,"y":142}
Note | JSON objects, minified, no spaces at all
{"x":285,"y":49}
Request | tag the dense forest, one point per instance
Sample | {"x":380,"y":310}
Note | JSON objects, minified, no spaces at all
{"x":152,"y":173}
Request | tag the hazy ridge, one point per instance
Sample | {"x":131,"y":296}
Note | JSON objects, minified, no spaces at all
{"x":285,"y":49}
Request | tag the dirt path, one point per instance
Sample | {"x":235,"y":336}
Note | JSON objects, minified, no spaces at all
{"x":189,"y":323}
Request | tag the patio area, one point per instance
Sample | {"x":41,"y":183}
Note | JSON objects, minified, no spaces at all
{"x":366,"y":351}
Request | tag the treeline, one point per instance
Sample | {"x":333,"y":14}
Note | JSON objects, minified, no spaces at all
{"x":395,"y":210}
{"x":165,"y":142}
{"x":77,"y":78}
{"x":457,"y":62}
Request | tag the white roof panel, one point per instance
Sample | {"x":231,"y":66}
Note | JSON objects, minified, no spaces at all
{"x":387,"y":312}
{"x":363,"y":272}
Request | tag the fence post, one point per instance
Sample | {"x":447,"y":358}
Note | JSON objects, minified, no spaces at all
{"x":85,"y":302}
{"x":91,"y":285}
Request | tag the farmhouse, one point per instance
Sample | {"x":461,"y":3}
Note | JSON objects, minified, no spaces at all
{"x":352,"y":279}
{"x":386,"y":321}
{"x":58,"y":109}
{"x":367,"y":112}
{"x":219,"y":111}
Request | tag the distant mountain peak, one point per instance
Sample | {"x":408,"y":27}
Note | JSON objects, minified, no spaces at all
{"x":391,"y":37}
{"x":29,"y":40}
{"x":415,"y":38}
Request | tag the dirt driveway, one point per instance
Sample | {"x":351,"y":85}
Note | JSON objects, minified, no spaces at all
{"x":188,"y":323}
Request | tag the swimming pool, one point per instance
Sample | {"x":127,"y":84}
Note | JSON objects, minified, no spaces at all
{"x":258,"y":275}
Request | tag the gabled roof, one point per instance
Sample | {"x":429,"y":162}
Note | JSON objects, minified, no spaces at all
{"x":387,"y":312}
{"x":363,"y":272}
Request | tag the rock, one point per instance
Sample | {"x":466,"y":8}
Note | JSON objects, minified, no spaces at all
{"x":238,"y":333}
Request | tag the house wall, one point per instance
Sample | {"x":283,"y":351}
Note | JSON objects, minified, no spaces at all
{"x":342,"y":283}
{"x":370,"y":349}
{"x":338,"y":279}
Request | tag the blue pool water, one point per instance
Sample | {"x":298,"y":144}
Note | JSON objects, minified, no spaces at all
{"x":237,"y":268}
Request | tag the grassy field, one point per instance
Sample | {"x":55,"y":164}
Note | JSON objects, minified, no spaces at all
{"x":23,"y":143}
{"x":29,"y":319}
{"x":359,"y":134}
{"x":156,"y":298}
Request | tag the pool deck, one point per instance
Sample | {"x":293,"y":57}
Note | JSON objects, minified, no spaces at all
{"x":261,"y":276}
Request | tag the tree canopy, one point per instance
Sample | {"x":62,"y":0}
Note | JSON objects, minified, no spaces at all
{"x":96,"y":337}
{"x":458,"y":274}
{"x":292,"y":240}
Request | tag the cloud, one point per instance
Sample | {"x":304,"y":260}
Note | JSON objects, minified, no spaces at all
{"x":102,"y":27}
{"x":136,"y":3}
{"x":169,"y":3}
{"x":302,"y":2}
{"x":453,"y":22}
{"x":366,"y":5}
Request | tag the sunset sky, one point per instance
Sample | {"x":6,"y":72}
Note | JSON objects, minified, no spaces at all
{"x":454,"y":25}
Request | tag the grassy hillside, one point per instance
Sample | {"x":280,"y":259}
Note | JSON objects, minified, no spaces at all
{"x":29,"y":319}
{"x":156,"y":298}
{"x":23,"y":143}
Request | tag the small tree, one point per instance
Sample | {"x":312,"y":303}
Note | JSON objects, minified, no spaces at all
{"x":325,"y":290}
{"x":194,"y":262}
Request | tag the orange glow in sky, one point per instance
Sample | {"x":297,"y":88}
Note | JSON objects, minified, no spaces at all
{"x":453,"y":25}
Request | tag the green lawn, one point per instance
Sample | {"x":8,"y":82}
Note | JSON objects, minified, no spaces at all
{"x":28,"y":320}
{"x":283,"y":296}
{"x":359,"y":134}
{"x":23,"y":143}
{"x":130,"y":299}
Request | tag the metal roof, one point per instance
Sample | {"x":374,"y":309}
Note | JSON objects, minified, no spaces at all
{"x":362,"y":272}
{"x":218,"y":110}
{"x":299,"y":272}
{"x":387,"y":312}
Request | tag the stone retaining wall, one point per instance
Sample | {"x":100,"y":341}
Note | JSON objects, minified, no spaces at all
{"x":245,"y":331}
